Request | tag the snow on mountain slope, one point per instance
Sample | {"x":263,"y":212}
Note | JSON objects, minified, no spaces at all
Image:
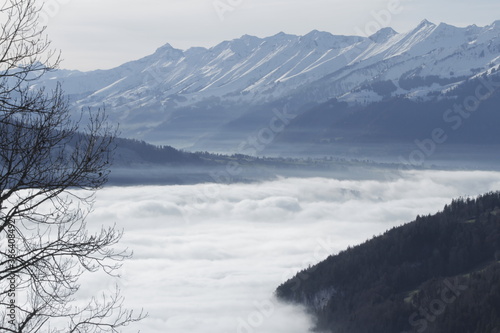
{"x":252,"y":71}
{"x":445,"y":52}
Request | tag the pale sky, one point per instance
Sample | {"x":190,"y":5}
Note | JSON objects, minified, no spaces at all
{"x":101,"y":34}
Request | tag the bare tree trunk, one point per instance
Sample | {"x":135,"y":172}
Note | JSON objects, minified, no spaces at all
{"x":50,"y":168}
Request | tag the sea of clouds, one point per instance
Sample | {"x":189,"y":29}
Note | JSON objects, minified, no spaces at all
{"x":207,"y":258}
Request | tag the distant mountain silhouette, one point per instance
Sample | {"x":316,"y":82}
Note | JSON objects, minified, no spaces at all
{"x":213,"y":99}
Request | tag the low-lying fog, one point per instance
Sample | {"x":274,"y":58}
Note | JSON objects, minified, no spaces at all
{"x":207,"y":258}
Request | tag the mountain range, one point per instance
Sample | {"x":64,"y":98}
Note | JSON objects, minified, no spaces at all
{"x":259,"y":89}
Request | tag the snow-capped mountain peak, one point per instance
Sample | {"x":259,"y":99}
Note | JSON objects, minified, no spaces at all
{"x":425,"y":22}
{"x":383,"y":35}
{"x":168,"y":51}
{"x":252,"y":72}
{"x":495,"y":24}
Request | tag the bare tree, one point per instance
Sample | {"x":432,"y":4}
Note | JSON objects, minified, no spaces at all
{"x":50,"y":168}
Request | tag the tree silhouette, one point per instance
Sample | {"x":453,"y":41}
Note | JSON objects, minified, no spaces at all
{"x":50,"y":168}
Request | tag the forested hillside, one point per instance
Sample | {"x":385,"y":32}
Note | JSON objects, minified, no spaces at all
{"x":439,"y":273}
{"x":137,"y":162}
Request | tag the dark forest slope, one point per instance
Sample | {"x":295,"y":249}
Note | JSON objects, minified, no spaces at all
{"x":437,"y":274}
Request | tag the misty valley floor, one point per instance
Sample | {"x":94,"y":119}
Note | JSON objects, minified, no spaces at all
{"x":207,"y":258}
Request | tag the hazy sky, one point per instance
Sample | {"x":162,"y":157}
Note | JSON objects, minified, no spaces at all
{"x":102,"y":34}
{"x":207,"y":258}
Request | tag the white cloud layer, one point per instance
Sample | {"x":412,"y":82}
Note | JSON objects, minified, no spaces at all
{"x":207,"y":258}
